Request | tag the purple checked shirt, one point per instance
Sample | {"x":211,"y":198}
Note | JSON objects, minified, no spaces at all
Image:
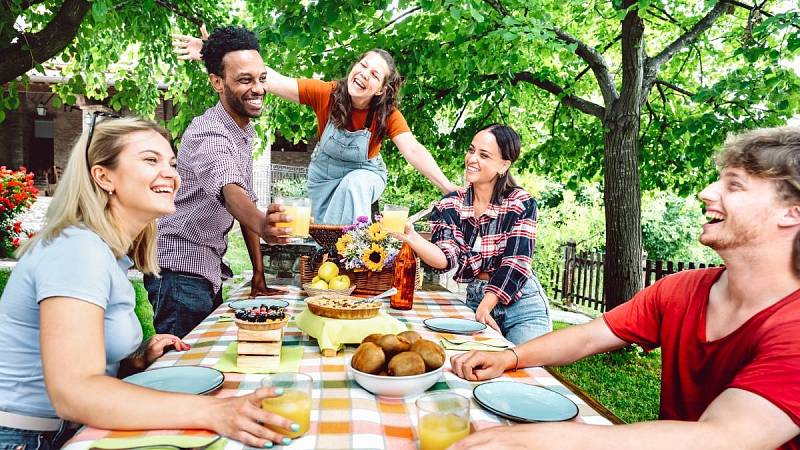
{"x":214,"y":152}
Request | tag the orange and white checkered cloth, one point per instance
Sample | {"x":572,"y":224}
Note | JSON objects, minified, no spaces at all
{"x":344,"y":415}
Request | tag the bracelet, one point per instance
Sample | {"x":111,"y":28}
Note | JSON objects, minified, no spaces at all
{"x":516,"y":365}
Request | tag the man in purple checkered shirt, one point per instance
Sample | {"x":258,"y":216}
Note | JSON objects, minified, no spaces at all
{"x":216,"y":167}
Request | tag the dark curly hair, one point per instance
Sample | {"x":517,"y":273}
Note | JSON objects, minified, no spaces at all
{"x":223,"y":41}
{"x":382,"y":105}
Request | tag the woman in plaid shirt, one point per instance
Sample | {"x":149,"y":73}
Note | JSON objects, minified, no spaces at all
{"x":487,"y":232}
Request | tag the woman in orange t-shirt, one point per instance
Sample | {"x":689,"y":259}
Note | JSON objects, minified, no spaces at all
{"x":354,"y":114}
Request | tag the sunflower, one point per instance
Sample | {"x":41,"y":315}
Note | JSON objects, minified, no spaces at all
{"x":375,"y":232}
{"x":343,"y":242}
{"x":373,"y":258}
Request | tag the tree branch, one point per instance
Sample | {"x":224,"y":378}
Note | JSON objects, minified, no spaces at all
{"x":573,"y":101}
{"x":37,"y":48}
{"x":166,"y":5}
{"x":653,"y":65}
{"x":596,"y":61}
{"x":753,"y":7}
{"x":674,"y":87}
{"x":497,"y":6}
{"x":395,"y":20}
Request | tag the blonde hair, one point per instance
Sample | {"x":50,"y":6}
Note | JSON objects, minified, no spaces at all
{"x":78,"y":200}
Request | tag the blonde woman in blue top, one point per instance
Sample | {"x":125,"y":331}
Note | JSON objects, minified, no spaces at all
{"x":67,"y":325}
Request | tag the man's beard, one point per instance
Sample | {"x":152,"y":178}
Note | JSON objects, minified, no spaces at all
{"x":238,"y":105}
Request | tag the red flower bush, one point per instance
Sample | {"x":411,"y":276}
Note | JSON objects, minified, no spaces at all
{"x":17,"y":194}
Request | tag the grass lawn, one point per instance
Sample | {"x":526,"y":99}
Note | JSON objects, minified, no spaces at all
{"x":626,"y":382}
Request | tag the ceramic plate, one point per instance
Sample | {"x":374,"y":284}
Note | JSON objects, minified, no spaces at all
{"x":522,"y":402}
{"x":451,"y":325}
{"x":183,"y":379}
{"x":258,"y":301}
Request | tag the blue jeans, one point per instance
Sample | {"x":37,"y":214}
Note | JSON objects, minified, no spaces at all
{"x":16,"y":439}
{"x":180,"y":301}
{"x":523,"y":320}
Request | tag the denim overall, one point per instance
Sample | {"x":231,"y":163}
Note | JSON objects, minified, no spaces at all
{"x":342,"y":181}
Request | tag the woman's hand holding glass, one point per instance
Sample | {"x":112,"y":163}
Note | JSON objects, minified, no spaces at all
{"x":243,"y":419}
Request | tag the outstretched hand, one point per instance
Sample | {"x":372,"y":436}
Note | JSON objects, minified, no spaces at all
{"x":242,"y":419}
{"x":188,"y":47}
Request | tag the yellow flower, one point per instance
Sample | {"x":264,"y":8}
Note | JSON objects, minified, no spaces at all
{"x":373,"y":258}
{"x":375,"y":232}
{"x":343,"y":242}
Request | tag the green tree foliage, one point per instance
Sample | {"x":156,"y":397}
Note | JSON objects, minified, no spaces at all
{"x":618,"y":92}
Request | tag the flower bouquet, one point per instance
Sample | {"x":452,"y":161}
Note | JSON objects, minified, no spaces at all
{"x":366,"y":246}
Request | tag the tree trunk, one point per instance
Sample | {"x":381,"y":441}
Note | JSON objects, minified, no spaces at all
{"x":623,"y":264}
{"x":622,"y":192}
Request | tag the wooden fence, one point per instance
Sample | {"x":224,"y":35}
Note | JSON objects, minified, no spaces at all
{"x":578,"y":280}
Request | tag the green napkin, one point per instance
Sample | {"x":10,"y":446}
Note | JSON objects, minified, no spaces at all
{"x":333,"y":333}
{"x":290,"y":361}
{"x":476,"y":345}
{"x":179,"y":440}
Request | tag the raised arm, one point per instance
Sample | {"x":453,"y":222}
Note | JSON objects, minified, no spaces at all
{"x":419,"y":157}
{"x":735,"y":419}
{"x":188,"y":49}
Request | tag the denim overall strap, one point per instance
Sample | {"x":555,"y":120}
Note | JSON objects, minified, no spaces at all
{"x":342,"y":181}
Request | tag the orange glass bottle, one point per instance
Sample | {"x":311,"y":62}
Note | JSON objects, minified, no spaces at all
{"x":405,"y":278}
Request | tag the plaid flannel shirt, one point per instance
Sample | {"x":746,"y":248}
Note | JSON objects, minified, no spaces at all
{"x":508,"y":235}
{"x":214,"y":152}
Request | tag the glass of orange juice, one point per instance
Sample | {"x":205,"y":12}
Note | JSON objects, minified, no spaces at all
{"x":443,"y":419}
{"x":394,"y":218}
{"x":294,"y":404}
{"x":299,"y":209}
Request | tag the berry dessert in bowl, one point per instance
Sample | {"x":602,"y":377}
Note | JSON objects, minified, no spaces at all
{"x":262,"y":317}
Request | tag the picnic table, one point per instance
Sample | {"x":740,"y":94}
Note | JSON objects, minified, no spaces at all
{"x":344,"y":415}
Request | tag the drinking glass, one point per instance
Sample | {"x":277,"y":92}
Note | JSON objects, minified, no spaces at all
{"x":294,"y":404}
{"x":394,"y":218}
{"x":299,"y":209}
{"x":443,"y":419}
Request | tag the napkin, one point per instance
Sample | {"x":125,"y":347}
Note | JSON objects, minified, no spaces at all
{"x":334,"y":333}
{"x":290,"y":361}
{"x":475,"y":345}
{"x":179,"y":440}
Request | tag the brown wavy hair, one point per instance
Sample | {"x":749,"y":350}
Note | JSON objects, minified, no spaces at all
{"x":381,"y":105}
{"x":772,"y":154}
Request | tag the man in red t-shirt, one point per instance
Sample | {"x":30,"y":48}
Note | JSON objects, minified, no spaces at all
{"x":729,"y":337}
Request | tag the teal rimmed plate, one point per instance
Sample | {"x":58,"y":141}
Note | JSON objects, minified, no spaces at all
{"x":452,"y":325}
{"x":181,"y":379}
{"x":258,"y":301}
{"x":522,"y":402}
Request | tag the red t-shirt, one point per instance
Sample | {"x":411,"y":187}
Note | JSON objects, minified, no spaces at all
{"x":761,"y":356}
{"x":317,"y":94}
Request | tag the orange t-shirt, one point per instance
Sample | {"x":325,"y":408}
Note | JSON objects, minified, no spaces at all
{"x":317,"y":94}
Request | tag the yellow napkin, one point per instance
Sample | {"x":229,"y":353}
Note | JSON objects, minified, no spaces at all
{"x":334,"y":333}
{"x":290,"y":361}
{"x":476,"y":345}
{"x":179,"y":440}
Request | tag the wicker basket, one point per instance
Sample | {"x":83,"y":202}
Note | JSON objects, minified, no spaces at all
{"x":369,"y":283}
{"x":311,"y":291}
{"x":326,"y":235}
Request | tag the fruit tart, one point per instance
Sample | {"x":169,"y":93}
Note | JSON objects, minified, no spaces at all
{"x":261,"y":317}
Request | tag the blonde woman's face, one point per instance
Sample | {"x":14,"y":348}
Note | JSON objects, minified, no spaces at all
{"x":145,"y":180}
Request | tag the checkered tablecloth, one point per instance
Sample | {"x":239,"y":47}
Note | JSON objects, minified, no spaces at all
{"x":344,"y":416}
